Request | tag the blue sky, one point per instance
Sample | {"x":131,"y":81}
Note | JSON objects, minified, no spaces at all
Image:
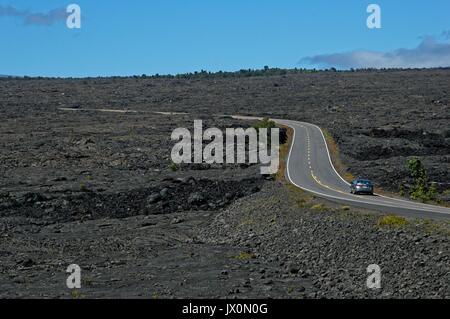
{"x":176,"y":36}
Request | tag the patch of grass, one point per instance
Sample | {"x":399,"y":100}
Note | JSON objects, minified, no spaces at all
{"x":319,"y":207}
{"x":433,"y":227}
{"x":174,"y":167}
{"x":244,"y":256}
{"x":302,"y":202}
{"x":84,"y":187}
{"x":392,"y":221}
{"x":299,"y":197}
{"x":76,"y":294}
{"x":335,"y":157}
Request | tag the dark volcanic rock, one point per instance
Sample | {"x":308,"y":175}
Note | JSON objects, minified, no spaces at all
{"x":99,"y":189}
{"x":328,"y":253}
{"x":153,"y":198}
{"x":94,"y":205}
{"x":196,"y":199}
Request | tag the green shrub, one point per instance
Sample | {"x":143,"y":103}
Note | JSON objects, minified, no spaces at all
{"x":269,"y":124}
{"x":265,"y":123}
{"x":420,"y":190}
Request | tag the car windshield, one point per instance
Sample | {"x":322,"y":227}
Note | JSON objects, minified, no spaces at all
{"x":363,"y":182}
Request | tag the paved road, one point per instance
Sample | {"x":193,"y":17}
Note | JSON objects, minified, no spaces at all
{"x":309,"y":167}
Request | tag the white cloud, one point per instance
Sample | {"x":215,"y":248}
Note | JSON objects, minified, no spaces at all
{"x":428,"y":54}
{"x":32,"y":18}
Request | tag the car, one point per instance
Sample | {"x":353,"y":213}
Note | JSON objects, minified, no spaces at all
{"x":359,"y":186}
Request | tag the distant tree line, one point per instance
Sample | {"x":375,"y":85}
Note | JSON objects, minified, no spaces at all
{"x":266,"y":71}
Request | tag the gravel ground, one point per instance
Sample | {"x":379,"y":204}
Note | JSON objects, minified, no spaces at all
{"x":324,"y":249}
{"x":274,"y":243}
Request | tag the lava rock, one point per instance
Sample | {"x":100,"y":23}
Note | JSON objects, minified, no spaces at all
{"x":196,"y":199}
{"x":154,"y":198}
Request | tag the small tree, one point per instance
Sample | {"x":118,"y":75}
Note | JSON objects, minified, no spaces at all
{"x":265,"y":123}
{"x":402,"y":189}
{"x":420,"y":189}
{"x":269,"y":124}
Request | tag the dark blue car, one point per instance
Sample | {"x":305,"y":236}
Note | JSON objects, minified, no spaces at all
{"x":361,"y":186}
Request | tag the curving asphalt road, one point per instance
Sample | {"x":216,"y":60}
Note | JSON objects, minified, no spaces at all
{"x":309,"y":167}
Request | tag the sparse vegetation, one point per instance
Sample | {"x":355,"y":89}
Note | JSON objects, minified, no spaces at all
{"x":174,"y":167}
{"x":76,"y":294}
{"x":434,"y":227}
{"x":299,"y":197}
{"x":84,"y":187}
{"x":319,"y":207}
{"x":392,"y":221}
{"x":244,"y":256}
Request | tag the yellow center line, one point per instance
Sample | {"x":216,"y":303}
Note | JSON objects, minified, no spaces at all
{"x":322,"y":184}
